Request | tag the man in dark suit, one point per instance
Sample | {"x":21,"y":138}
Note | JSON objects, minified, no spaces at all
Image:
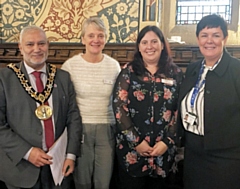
{"x":31,"y":120}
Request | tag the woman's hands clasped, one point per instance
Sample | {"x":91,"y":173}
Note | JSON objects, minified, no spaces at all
{"x":144,"y":149}
{"x":157,"y":150}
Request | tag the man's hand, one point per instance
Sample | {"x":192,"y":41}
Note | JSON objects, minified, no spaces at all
{"x":144,"y":149}
{"x":68,"y":167}
{"x":159,"y":149}
{"x":39,"y":158}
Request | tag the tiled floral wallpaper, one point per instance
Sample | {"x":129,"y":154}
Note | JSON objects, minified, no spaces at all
{"x":62,"y":19}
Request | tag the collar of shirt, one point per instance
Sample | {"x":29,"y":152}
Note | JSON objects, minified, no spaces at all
{"x":30,"y":69}
{"x":215,"y":65}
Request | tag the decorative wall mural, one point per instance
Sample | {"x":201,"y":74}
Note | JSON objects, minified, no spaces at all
{"x":122,"y":19}
{"x":17,"y":14}
{"x":62,"y":19}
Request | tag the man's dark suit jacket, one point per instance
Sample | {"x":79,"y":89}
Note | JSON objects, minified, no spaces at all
{"x":221,"y":103}
{"x":20,"y":129}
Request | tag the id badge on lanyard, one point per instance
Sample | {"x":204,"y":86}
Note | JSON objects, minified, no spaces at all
{"x":189,"y":116}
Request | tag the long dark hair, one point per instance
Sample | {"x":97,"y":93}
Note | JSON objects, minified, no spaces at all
{"x":165,"y":63}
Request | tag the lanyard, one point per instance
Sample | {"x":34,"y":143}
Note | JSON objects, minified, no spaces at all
{"x":197,"y":86}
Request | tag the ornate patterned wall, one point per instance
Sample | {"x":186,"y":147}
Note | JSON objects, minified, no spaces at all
{"x":62,"y":19}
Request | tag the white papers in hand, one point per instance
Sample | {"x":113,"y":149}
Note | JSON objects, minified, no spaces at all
{"x":58,"y":153}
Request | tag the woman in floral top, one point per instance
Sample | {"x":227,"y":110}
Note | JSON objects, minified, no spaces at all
{"x":145,"y":103}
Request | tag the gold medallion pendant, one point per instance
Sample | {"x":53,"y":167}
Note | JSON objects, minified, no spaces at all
{"x":43,"y":112}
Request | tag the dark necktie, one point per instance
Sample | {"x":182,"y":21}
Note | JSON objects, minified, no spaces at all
{"x":48,"y":125}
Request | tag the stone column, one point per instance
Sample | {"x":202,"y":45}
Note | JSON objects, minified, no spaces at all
{"x":150,"y":13}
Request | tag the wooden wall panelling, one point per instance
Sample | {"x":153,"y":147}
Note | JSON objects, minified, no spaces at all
{"x":123,"y":53}
{"x":236,"y":53}
{"x":59,"y":52}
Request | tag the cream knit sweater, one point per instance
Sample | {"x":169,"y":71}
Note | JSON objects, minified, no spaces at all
{"x":93,"y":83}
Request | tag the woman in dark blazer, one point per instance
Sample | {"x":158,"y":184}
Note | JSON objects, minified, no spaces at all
{"x":209,"y":118}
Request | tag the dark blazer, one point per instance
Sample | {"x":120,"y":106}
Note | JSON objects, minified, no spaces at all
{"x":20,"y":129}
{"x":221,"y":103}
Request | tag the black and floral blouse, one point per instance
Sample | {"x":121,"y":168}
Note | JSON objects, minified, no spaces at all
{"x":145,"y":109}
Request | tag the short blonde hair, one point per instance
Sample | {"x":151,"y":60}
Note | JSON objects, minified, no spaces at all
{"x":98,"y":22}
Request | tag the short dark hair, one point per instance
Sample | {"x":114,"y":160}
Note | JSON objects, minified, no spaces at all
{"x":212,"y":21}
{"x":164,"y":63}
